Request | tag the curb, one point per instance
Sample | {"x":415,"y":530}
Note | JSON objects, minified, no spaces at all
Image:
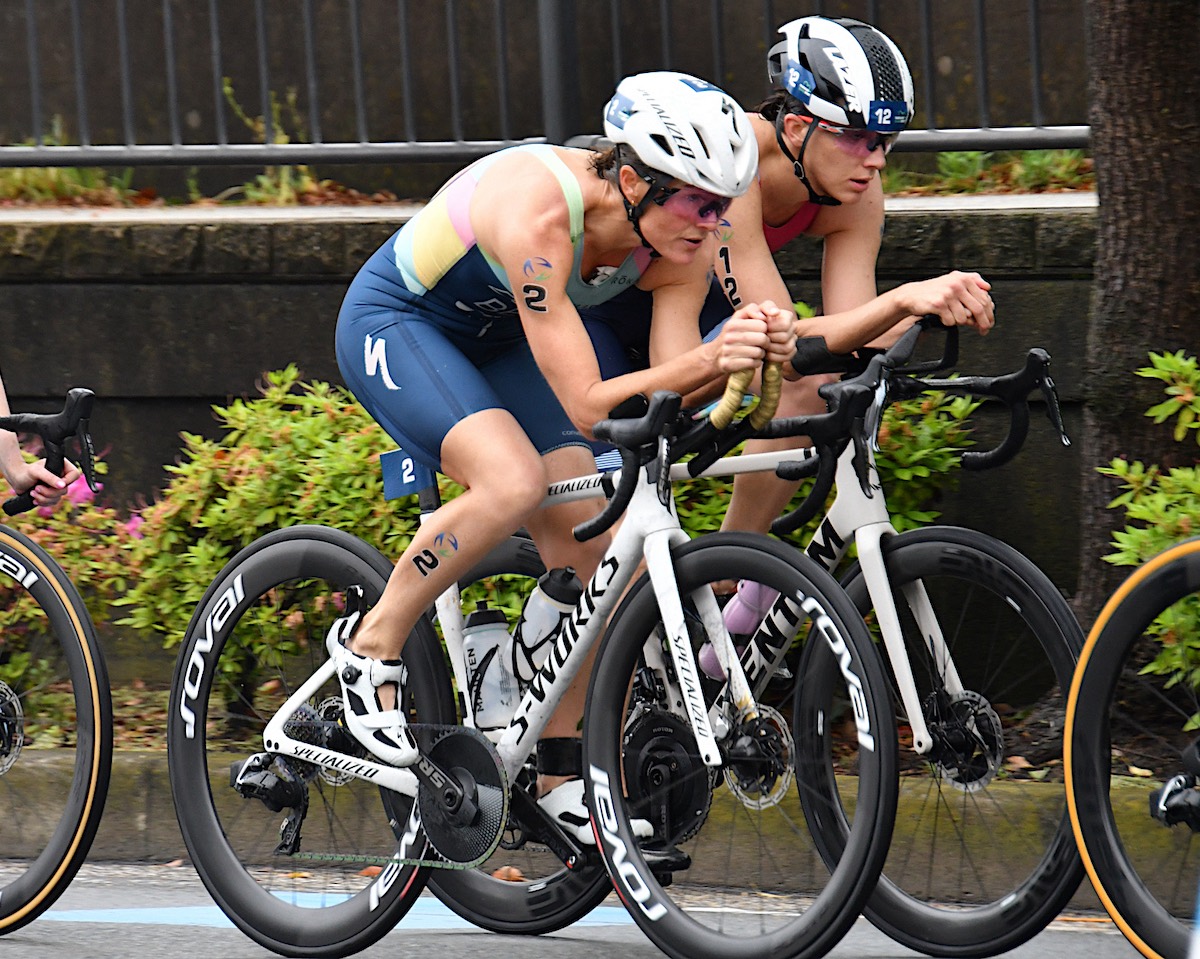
{"x":139,"y":822}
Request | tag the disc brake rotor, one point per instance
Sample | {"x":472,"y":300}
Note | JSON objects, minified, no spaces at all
{"x":471,"y":759}
{"x":969,"y":741}
{"x":12,"y":727}
{"x":763,"y":780}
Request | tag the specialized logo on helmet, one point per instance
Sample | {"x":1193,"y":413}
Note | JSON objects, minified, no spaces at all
{"x":681,"y":142}
{"x":853,"y":104}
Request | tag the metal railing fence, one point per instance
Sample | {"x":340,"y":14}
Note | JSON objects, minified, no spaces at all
{"x":263,"y":82}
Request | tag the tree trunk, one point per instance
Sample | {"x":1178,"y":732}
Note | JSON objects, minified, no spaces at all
{"x":1144,"y":111}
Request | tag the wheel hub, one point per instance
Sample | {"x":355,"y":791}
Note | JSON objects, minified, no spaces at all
{"x":968,"y":739}
{"x":762,"y":760}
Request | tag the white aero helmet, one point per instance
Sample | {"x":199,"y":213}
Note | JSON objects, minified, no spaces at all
{"x":845,"y":72}
{"x":685,"y":128}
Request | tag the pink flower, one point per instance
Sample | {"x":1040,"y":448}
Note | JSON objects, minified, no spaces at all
{"x":134,"y":526}
{"x":80,"y":493}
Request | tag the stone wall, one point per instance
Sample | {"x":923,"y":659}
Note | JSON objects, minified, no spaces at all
{"x":165,"y":314}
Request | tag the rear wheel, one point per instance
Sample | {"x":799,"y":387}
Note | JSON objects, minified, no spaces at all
{"x":257,"y":634}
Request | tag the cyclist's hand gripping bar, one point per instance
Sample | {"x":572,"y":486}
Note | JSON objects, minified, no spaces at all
{"x":719,"y":434}
{"x":54,"y":429}
{"x":631,"y":437}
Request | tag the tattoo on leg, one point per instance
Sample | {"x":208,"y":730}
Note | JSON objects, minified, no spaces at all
{"x":425,"y":562}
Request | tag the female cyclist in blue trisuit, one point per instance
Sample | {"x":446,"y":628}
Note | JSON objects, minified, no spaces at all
{"x":461,"y":336}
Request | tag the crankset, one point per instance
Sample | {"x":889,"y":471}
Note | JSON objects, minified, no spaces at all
{"x":12,"y":727}
{"x":968,"y":740}
{"x":668,"y":782}
{"x":462,"y":792}
{"x":761,"y":760}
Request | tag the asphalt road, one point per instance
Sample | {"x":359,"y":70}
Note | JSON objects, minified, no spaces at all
{"x":164,"y":911}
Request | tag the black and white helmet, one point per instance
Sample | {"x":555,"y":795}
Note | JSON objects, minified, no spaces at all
{"x":845,"y":72}
{"x":685,"y":128}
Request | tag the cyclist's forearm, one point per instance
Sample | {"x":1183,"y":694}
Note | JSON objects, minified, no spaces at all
{"x":853,"y":329}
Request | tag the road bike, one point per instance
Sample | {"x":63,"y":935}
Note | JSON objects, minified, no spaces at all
{"x":55,"y":708}
{"x":981,"y":647}
{"x":1132,"y":753}
{"x":728,"y":783}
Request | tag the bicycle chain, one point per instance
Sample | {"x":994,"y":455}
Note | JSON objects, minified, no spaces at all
{"x":464,"y":753}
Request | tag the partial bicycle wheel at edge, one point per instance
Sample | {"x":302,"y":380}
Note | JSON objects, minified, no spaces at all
{"x":982,"y":857}
{"x":523,"y":888}
{"x":255,"y":637}
{"x":1127,"y":727}
{"x":732,"y":872}
{"x":55,"y":731}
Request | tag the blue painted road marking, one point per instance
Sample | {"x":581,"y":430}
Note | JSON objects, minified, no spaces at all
{"x":427,"y":913}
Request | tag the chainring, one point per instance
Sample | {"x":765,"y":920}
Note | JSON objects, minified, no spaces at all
{"x":469,"y":757}
{"x":668,"y":782}
{"x":969,"y":740}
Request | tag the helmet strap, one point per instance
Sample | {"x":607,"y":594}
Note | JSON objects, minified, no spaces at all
{"x":634,"y":211}
{"x":798,"y":160}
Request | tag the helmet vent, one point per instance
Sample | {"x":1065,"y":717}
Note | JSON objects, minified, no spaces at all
{"x":889,"y":84}
{"x":663,"y":143}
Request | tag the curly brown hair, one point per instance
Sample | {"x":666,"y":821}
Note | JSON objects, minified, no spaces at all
{"x":780,"y":102}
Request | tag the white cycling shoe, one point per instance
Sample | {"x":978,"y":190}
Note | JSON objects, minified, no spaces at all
{"x":383,"y":732}
{"x":565,"y":805}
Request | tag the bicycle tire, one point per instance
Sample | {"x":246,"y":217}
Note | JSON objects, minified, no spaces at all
{"x":985,"y":859}
{"x":1124,"y":730}
{"x":53,"y":801}
{"x":222,"y":695}
{"x":755,"y":885}
{"x":547,"y":896}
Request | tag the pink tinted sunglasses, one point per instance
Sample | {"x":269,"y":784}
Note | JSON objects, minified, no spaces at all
{"x":859,"y":142}
{"x":693,"y":204}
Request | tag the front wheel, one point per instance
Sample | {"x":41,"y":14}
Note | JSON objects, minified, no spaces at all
{"x":982,"y":857}
{"x":257,"y":634}
{"x":1132,"y":713}
{"x":732,"y":871}
{"x":55,"y":731}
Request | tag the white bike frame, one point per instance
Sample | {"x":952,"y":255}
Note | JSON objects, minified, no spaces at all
{"x":648,"y":532}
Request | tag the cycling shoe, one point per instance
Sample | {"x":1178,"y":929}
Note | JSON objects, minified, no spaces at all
{"x":383,"y":732}
{"x":565,"y":805}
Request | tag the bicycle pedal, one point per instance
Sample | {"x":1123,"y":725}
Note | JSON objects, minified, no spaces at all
{"x":664,"y":859}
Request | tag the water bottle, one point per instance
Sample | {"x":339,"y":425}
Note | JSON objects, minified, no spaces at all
{"x":554,"y":596}
{"x":742,"y":614}
{"x":490,"y":684}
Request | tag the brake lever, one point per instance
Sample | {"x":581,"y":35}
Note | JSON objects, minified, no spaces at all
{"x":1050,"y":394}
